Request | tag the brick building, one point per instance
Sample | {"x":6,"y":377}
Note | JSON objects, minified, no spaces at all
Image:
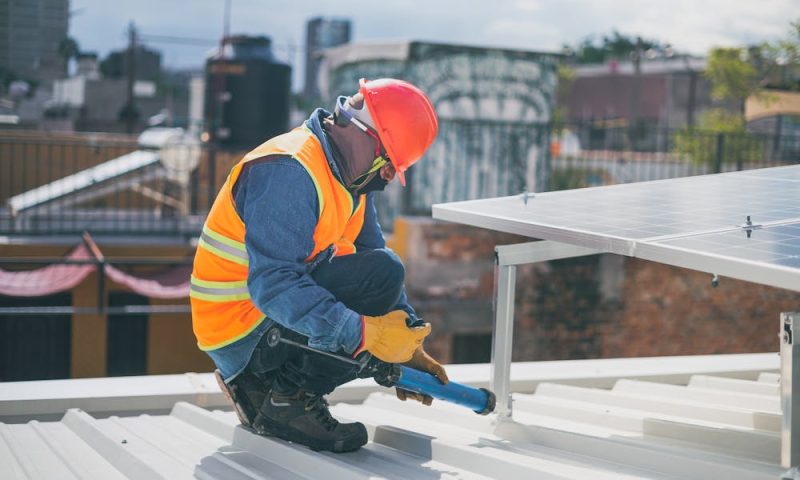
{"x":601,"y":306}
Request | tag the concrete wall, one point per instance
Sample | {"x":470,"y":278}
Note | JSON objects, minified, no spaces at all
{"x":493,"y":104}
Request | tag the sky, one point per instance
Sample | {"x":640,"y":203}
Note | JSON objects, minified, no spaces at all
{"x":691,"y":26}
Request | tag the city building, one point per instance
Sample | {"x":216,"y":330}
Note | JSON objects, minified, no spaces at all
{"x":667,"y":93}
{"x":494,"y":107}
{"x":31,"y":33}
{"x":94,"y":98}
{"x":775,"y":116}
{"x":321,"y":33}
{"x":147,"y":64}
{"x":246,"y":93}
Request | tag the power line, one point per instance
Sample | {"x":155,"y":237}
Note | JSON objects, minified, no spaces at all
{"x":182,"y":40}
{"x":207,"y":41}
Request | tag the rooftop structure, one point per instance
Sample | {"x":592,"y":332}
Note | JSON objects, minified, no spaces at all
{"x":689,"y":223}
{"x":321,"y":33}
{"x":655,"y":418}
{"x":718,"y":416}
{"x":31,"y":32}
{"x":493,"y":134}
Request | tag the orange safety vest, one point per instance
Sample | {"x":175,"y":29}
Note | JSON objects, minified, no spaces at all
{"x":222,"y":311}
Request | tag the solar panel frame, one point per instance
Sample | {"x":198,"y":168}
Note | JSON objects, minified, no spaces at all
{"x":654,"y":220}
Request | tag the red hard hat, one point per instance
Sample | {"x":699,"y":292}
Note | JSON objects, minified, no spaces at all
{"x":404,"y":119}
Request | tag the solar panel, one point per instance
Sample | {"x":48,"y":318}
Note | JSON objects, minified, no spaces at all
{"x":778,"y":244}
{"x":82,"y":180}
{"x":705,"y":215}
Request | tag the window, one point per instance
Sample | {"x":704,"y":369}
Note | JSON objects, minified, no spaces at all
{"x":127,"y":336}
{"x":35,"y":346}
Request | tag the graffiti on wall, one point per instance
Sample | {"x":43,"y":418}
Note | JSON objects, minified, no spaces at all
{"x":494,"y":107}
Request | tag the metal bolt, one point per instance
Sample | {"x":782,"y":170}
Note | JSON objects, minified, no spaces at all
{"x":526,"y":195}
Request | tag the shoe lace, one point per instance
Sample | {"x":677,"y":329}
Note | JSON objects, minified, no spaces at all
{"x":319,"y":407}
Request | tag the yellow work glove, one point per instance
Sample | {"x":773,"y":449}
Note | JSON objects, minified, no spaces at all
{"x":389,"y":338}
{"x":425,"y":363}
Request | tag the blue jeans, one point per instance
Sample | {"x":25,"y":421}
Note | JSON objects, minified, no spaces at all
{"x":369,"y":283}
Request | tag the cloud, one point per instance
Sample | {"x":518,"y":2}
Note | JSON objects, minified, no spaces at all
{"x":690,"y":25}
{"x":523,"y":33}
{"x":528,"y":5}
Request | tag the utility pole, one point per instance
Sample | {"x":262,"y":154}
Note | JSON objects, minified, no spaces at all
{"x":636,"y":97}
{"x":129,"y":112}
{"x":218,"y":80}
{"x":690,"y":107}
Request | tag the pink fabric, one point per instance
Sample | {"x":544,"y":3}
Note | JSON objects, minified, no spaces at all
{"x":171,"y":284}
{"x":47,"y":280}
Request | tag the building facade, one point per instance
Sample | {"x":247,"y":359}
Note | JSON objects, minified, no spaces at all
{"x":665,"y":93}
{"x":494,"y":107}
{"x":321,"y":33}
{"x":31,"y":32}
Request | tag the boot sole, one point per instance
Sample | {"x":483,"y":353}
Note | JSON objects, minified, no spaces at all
{"x":269,"y":428}
{"x":231,"y":398}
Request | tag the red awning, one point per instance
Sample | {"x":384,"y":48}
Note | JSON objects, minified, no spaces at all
{"x":48,"y":280}
{"x":171,"y":284}
{"x":59,"y":277}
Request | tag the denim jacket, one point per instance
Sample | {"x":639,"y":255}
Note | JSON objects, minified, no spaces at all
{"x":278,"y":202}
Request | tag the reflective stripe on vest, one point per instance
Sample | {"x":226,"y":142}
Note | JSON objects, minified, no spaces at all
{"x":222,"y":310}
{"x":226,"y":248}
{"x":218,"y":291}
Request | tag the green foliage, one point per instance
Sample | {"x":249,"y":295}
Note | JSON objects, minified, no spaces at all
{"x":738,"y":73}
{"x":732,"y":77}
{"x":565,"y":77}
{"x":612,"y":46}
{"x":575,"y":177}
{"x":778,"y":63}
{"x":68,"y":48}
{"x":721,"y":121}
{"x":719,"y":128}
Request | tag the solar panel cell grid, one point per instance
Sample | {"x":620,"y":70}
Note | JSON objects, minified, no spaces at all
{"x":700,"y":215}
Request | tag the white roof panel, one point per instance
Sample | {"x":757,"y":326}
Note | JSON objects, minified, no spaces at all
{"x":671,"y":221}
{"x":692,"y":427}
{"x":84,"y":179}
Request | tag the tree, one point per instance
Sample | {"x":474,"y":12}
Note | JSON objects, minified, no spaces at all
{"x":721,"y":137}
{"x":616,"y":45}
{"x":738,"y":73}
{"x":565,"y":78}
{"x":68,"y":49}
{"x":778,"y":63}
{"x":732,"y":77}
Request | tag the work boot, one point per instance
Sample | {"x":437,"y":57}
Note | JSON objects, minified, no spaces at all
{"x":303,"y":417}
{"x":246,"y":392}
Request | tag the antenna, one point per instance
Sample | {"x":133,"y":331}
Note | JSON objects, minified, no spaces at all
{"x":226,"y":27}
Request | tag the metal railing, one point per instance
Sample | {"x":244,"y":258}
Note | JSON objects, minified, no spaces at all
{"x":621,"y":155}
{"x":65,"y":185}
{"x":107,"y":185}
{"x":103,"y":286}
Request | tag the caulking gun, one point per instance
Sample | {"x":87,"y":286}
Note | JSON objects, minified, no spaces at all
{"x":479,"y":400}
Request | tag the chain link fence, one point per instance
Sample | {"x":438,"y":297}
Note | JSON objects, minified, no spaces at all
{"x":111,"y":185}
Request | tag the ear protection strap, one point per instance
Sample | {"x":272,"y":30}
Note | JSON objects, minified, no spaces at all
{"x":342,"y":116}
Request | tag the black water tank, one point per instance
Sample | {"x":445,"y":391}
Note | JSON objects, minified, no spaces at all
{"x":252,"y":93}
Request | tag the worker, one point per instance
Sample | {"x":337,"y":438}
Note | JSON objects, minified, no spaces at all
{"x":292,"y":242}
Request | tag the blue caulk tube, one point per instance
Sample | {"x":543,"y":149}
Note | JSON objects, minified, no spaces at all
{"x":479,"y":400}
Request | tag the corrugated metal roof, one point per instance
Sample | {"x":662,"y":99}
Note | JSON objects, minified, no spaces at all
{"x":600,"y":419}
